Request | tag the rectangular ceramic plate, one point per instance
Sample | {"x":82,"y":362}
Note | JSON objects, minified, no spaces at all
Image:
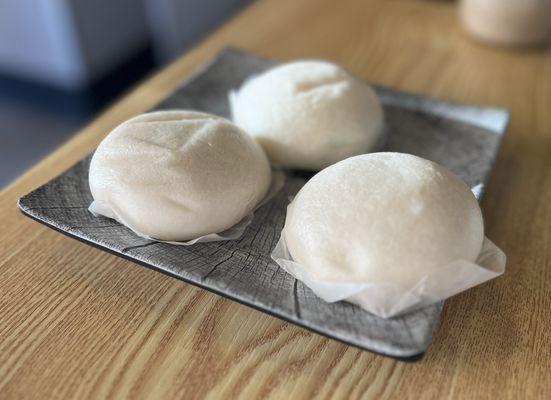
{"x":463,"y":138}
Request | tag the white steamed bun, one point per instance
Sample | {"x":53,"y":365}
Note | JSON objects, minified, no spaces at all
{"x":309,"y":114}
{"x":178,"y":175}
{"x":382,"y":218}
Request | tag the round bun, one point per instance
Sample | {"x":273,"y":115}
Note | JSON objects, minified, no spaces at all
{"x":309,"y":114}
{"x":179,"y":175}
{"x":383,"y":218}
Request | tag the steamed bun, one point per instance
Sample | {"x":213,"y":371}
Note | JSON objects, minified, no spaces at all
{"x":178,"y":175}
{"x":309,"y":114}
{"x":384,"y":218}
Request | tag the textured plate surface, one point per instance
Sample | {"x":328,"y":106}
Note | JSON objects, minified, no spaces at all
{"x":463,"y":138}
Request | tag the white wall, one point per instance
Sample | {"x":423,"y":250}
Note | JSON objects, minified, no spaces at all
{"x":68,"y":43}
{"x":177,"y":24}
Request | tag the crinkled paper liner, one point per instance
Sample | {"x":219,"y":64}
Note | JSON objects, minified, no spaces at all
{"x":388,"y":300}
{"x":108,"y":210}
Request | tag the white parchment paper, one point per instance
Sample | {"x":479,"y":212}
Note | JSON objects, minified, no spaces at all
{"x":106,"y":209}
{"x":389,"y":300}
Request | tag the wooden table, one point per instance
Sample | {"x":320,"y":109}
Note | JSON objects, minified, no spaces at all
{"x":76,"y":322}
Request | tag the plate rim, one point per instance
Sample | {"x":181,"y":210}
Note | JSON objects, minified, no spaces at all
{"x":407,"y":358}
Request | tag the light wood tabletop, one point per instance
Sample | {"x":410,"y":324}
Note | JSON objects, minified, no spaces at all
{"x":76,"y":322}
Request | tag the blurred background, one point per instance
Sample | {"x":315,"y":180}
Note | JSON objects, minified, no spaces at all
{"x":62,"y":61}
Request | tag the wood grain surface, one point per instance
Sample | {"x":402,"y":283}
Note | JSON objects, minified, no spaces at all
{"x":243,"y":269}
{"x":78,"y":323}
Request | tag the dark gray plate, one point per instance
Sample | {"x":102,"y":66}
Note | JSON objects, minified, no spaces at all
{"x":463,"y":138}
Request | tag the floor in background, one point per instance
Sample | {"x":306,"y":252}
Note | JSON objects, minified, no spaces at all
{"x":29,"y":132}
{"x":35,"y":119}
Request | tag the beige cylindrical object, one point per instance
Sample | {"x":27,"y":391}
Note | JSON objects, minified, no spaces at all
{"x":508,"y":22}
